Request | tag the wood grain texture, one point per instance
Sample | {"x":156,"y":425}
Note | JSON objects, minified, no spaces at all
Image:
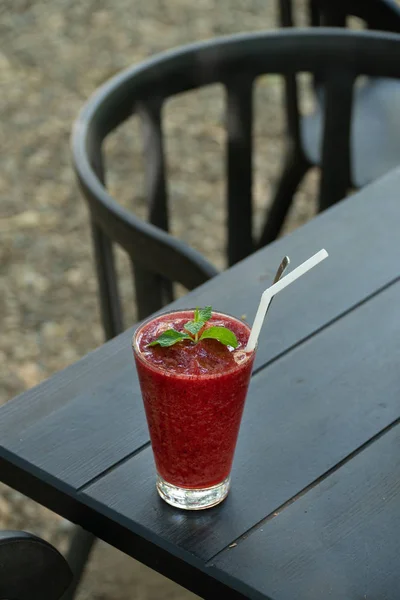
{"x":340,"y":540}
{"x":69,"y":425}
{"x":184,"y":568}
{"x":304,"y":414}
{"x":91,"y":431}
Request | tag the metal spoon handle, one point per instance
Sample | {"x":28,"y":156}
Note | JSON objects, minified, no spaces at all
{"x":281,"y":269}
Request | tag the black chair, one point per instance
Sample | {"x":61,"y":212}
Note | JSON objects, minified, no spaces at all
{"x":376,"y":105}
{"x":157,"y":258}
{"x":30,"y":568}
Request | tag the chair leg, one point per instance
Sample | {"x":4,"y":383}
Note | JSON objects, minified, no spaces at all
{"x":77,"y":557}
{"x":296,"y":166}
{"x":111,"y":312}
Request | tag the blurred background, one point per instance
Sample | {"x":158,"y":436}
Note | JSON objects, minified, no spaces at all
{"x":53,"y":55}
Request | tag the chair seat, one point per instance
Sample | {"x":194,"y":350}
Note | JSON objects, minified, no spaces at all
{"x":375,"y":130}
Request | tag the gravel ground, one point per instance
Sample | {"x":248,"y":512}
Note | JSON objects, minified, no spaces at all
{"x":53,"y":55}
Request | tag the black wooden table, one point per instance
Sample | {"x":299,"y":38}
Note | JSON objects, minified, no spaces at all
{"x":314,"y":510}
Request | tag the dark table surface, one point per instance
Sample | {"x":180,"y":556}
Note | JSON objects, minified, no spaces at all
{"x":314,"y":510}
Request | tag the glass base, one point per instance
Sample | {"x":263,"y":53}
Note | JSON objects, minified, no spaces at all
{"x":192,"y":499}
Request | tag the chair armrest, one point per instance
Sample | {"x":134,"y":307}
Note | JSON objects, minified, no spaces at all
{"x":31,"y":568}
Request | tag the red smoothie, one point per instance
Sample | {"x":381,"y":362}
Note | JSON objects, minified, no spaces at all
{"x":194,"y":397}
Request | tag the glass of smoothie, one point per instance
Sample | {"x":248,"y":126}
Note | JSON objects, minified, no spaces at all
{"x":194,"y":388}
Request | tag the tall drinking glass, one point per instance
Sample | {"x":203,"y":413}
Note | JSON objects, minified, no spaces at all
{"x":194,"y":397}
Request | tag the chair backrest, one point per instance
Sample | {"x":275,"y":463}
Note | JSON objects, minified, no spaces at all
{"x":382,"y":15}
{"x":30,"y":568}
{"x":236,"y":62}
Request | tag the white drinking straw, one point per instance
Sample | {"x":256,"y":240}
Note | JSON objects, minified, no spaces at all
{"x":274,"y":289}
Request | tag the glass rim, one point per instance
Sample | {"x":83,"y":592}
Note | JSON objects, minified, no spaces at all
{"x":139,"y":355}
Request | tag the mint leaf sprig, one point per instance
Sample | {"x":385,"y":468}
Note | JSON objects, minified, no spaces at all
{"x":169,"y":338}
{"x":192,"y":331}
{"x":201,"y":316}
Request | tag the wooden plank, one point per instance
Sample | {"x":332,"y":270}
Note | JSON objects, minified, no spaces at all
{"x":305,"y":413}
{"x":184,"y":568}
{"x":354,"y":271}
{"x":340,"y":540}
{"x":93,"y":429}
